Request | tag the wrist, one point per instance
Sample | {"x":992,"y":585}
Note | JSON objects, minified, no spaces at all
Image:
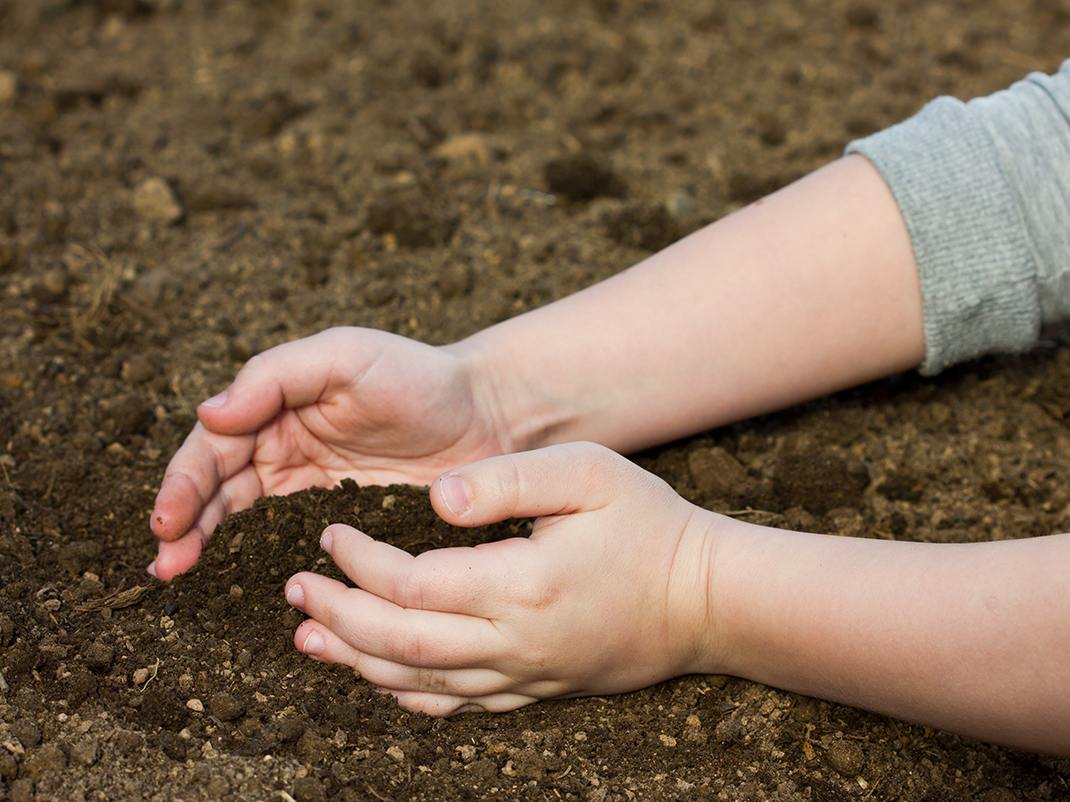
{"x":703,"y":595}
{"x":523,"y":415}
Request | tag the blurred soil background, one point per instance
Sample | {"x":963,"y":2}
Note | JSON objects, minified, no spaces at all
{"x":184,"y":183}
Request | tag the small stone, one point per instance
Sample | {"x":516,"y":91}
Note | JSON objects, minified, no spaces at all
{"x":528,"y":764}
{"x":9,"y":767}
{"x":454,"y":280}
{"x":85,"y":752}
{"x":582,"y":177}
{"x":47,"y":760}
{"x":378,"y":293}
{"x":80,"y":556}
{"x":138,"y":370}
{"x":309,"y":789}
{"x":196,"y":705}
{"x":484,"y":767}
{"x":27,"y":731}
{"x":396,"y":753}
{"x":9,"y":87}
{"x":464,"y":147}
{"x":667,"y":740}
{"x":141,"y":676}
{"x":847,"y":758}
{"x":240,"y":350}
{"x":718,"y":474}
{"x":226,"y":707}
{"x":22,"y":790}
{"x":389,"y":501}
{"x":98,"y":657}
{"x":680,"y":206}
{"x":155,"y":201}
{"x":313,"y":748}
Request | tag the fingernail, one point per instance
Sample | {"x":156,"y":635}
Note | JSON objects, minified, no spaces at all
{"x":327,"y":540}
{"x":151,"y":570}
{"x":215,"y":401}
{"x":471,"y":707}
{"x":313,"y":645}
{"x":295,"y":596}
{"x":454,"y":494}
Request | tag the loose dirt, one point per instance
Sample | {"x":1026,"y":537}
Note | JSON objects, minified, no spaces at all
{"x":184,"y":183}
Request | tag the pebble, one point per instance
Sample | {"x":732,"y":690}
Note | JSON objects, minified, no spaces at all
{"x":9,"y":87}
{"x":196,"y":705}
{"x":680,"y":206}
{"x":27,"y":731}
{"x":9,"y":766}
{"x":378,"y":293}
{"x":98,"y":657}
{"x":717,"y":474}
{"x":155,"y":201}
{"x":22,"y":790}
{"x":44,"y":761}
{"x":138,"y":370}
{"x":309,"y":789}
{"x":454,"y":280}
{"x":847,"y":758}
{"x":225,"y":707}
{"x":80,"y":556}
{"x":463,"y":147}
{"x":582,"y":177}
{"x":85,"y":752}
{"x":528,"y":764}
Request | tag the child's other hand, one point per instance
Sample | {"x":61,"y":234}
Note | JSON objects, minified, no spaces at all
{"x":609,"y":594}
{"x":346,"y":402}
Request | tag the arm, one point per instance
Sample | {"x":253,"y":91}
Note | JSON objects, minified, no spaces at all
{"x":809,"y":291}
{"x":623,"y":584}
{"x":971,"y":638}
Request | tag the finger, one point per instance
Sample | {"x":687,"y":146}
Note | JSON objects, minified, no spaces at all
{"x":195,"y":475}
{"x":380,"y":628}
{"x":470,"y":581}
{"x":288,"y":376}
{"x":177,"y":556}
{"x":557,"y":480}
{"x":442,"y":705}
{"x":315,"y":640}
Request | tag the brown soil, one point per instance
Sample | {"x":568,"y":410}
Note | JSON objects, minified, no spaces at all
{"x":186,"y":182}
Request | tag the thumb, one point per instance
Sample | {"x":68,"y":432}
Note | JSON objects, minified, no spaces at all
{"x":287,"y":376}
{"x":556,"y":480}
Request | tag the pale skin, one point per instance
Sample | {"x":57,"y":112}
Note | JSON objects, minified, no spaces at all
{"x":623,"y":583}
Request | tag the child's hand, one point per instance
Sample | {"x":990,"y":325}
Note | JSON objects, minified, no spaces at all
{"x":609,"y":594}
{"x":346,"y":402}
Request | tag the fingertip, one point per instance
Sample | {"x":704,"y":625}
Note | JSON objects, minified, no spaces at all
{"x":215,"y":402}
{"x":177,"y":556}
{"x":454,"y":494}
{"x":295,"y":594}
{"x":313,"y":643}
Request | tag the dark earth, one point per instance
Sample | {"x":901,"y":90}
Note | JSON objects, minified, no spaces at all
{"x":184,"y":183}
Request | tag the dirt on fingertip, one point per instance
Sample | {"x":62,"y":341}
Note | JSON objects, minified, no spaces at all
{"x":186,"y":183}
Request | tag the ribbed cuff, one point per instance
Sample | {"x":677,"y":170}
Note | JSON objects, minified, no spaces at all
{"x":978,"y":278}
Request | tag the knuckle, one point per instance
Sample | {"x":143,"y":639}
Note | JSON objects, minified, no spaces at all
{"x":403,"y":647}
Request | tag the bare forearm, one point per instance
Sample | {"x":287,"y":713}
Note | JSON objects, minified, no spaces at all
{"x":972,"y":638}
{"x":810,"y":291}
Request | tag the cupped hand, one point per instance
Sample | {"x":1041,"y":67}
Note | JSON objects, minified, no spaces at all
{"x":347,"y":402}
{"x":608,"y":594}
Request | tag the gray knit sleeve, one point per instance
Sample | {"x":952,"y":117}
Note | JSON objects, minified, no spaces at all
{"x":984,"y":188}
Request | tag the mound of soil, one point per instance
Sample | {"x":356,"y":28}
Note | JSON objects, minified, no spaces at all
{"x":184,"y":183}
